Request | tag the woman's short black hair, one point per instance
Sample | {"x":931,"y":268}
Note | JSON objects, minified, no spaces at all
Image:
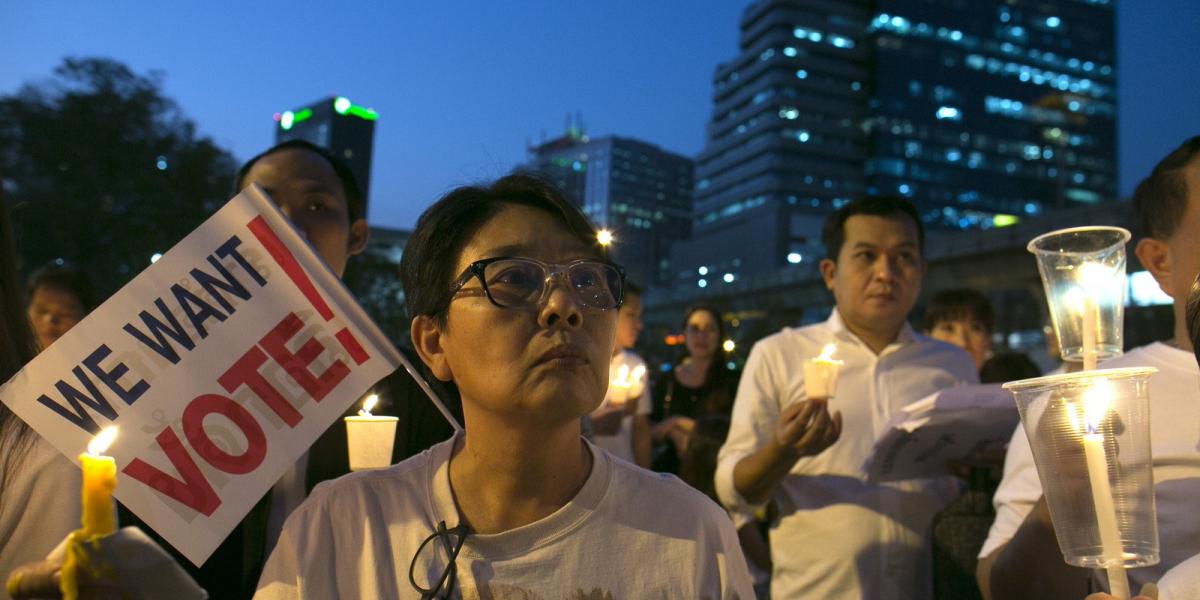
{"x":428,"y":265}
{"x":960,"y":303}
{"x":65,"y":277}
{"x":355,"y":208}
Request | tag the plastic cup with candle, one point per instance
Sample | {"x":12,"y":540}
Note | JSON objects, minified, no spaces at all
{"x":1083,"y":272}
{"x":1090,"y":437}
{"x":821,"y":373}
{"x":369,"y":437}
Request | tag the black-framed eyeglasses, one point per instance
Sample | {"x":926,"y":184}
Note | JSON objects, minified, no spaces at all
{"x":451,"y":543}
{"x":510,"y":282}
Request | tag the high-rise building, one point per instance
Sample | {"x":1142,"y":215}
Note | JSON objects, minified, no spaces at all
{"x":980,"y":111}
{"x":640,"y":192}
{"x":336,"y":123}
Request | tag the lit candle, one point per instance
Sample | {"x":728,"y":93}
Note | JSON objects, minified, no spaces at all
{"x":1094,"y":411}
{"x":99,"y":479}
{"x":626,"y":384}
{"x":369,"y":438}
{"x":821,"y":374}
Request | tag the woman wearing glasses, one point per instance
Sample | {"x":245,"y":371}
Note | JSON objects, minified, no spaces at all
{"x":515,"y":304}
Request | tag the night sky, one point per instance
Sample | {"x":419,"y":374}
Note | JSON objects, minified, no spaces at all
{"x":462,"y":87}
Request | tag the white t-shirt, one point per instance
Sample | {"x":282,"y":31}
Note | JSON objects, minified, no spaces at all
{"x":621,"y":444}
{"x":39,"y":507}
{"x":627,"y":533}
{"x":1174,"y":445}
{"x":837,"y":535}
{"x":1182,"y":582}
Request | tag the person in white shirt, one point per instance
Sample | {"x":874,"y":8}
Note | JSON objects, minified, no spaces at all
{"x":838,"y":535}
{"x":1021,"y":557}
{"x":514,"y":302}
{"x":622,"y":423}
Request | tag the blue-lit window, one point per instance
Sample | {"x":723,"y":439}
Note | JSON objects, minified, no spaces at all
{"x":948,"y":113}
{"x":801,"y":74}
{"x":1053,"y":22}
{"x":789,"y":52}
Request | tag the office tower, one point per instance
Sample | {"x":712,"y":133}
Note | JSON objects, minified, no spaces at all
{"x":335,"y":123}
{"x":640,"y":192}
{"x":981,"y":112}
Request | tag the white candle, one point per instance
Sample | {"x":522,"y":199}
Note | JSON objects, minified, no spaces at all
{"x":1093,"y":278}
{"x":1095,"y":411}
{"x":821,"y":374}
{"x":369,"y":438}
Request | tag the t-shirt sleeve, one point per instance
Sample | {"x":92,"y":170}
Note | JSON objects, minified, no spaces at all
{"x":755,"y":415}
{"x":1019,"y":490}
{"x":303,"y":562}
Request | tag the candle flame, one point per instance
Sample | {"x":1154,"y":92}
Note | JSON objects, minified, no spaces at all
{"x":639,"y":372}
{"x":827,"y":353}
{"x":605,"y":237}
{"x":622,"y":378}
{"x":102,"y":441}
{"x":1094,"y":406}
{"x":1094,"y":277}
{"x":368,"y":404}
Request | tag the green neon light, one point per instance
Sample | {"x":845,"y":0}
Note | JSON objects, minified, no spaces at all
{"x":365,"y":114}
{"x":302,"y":115}
{"x":1003,"y":220}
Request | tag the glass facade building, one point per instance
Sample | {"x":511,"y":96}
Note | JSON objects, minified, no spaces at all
{"x":640,"y":192}
{"x":982,"y":112}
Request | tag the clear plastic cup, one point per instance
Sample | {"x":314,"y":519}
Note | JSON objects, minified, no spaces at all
{"x":1083,"y":271}
{"x":1090,"y":435}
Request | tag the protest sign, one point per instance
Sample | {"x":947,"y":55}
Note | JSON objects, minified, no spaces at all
{"x":220,"y":363}
{"x":952,"y":424}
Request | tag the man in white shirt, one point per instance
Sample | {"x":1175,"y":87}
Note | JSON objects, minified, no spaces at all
{"x":837,"y":535}
{"x":622,"y":423}
{"x":1021,"y":557}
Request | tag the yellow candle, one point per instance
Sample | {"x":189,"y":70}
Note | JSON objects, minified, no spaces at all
{"x":99,"y":480}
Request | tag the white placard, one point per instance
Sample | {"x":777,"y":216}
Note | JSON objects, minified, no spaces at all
{"x":220,"y":363}
{"x":949,"y":425}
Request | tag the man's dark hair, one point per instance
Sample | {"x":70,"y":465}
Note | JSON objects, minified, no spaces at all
{"x":1193,"y":317}
{"x":64,"y":277}
{"x":833,"y":233}
{"x":1161,"y":198}
{"x":428,"y":265}
{"x":955,"y":304}
{"x":354,"y":195}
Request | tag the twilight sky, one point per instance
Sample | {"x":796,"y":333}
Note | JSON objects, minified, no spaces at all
{"x":462,"y":87}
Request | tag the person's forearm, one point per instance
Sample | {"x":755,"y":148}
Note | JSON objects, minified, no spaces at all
{"x":1031,"y":565}
{"x":641,"y":441}
{"x":757,"y":475}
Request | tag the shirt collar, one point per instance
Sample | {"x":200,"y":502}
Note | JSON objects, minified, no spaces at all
{"x":838,"y":327}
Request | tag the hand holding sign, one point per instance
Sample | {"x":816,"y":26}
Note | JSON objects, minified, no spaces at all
{"x":247,"y":349}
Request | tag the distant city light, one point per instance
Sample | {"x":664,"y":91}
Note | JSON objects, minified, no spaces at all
{"x":342,"y":105}
{"x":949,"y":113}
{"x":154,"y":257}
{"x":729,"y":345}
{"x":161,"y":163}
{"x":702,"y":283}
{"x":1053,"y":22}
{"x":728,"y":278}
{"x":702,"y":270}
{"x":1003,"y":220}
{"x":287,"y":119}
{"x":794,"y":258}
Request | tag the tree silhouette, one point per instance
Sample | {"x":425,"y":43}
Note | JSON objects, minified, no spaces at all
{"x":103,"y":170}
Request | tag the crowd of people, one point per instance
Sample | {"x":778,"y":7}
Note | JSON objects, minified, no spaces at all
{"x":585,"y":472}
